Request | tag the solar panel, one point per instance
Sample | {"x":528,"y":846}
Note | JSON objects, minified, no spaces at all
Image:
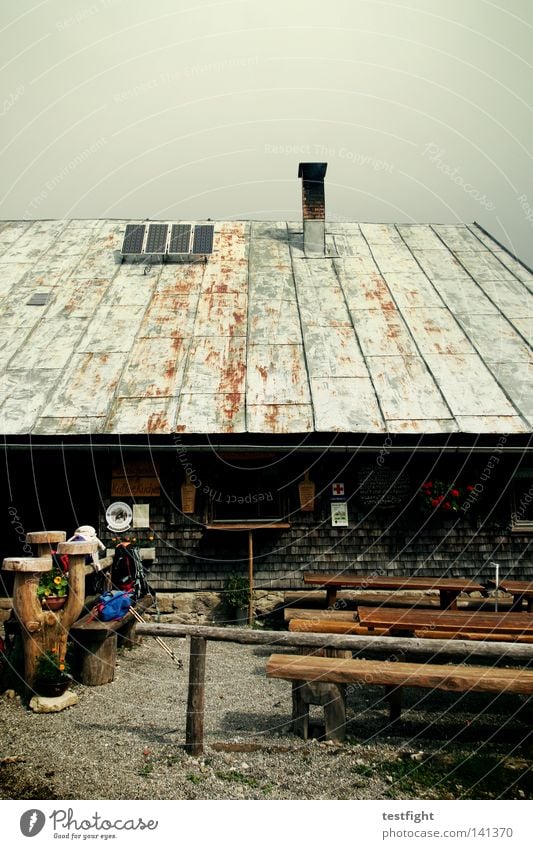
{"x":157,"y":239}
{"x":180,"y":236}
{"x":133,"y":239}
{"x":39,"y":299}
{"x":203,"y":239}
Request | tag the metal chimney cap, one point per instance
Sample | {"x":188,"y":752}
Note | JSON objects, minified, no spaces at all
{"x":312,"y":170}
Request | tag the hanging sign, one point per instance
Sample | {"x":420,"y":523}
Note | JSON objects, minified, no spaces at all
{"x":134,"y":478}
{"x":339,"y":514}
{"x":118,"y":517}
{"x":337,"y":490}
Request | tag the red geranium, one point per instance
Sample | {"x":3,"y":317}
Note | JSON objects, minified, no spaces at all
{"x":455,"y":493}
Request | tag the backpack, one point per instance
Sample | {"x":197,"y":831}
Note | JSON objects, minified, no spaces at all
{"x":127,"y":573}
{"x":113,"y":605}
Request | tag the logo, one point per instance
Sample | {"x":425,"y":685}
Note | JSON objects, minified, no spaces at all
{"x":32,"y":822}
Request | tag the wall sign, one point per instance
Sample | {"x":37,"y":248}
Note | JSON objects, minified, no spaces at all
{"x":339,"y":514}
{"x":118,"y":517}
{"x":135,"y":477}
{"x":378,"y":487}
{"x":337,"y":490}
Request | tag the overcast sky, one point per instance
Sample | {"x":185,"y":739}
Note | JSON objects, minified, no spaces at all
{"x":185,"y":109}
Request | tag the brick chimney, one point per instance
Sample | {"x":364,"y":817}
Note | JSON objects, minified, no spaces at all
{"x":313,"y":207}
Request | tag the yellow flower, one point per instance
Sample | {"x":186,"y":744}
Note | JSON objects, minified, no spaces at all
{"x":57,"y":580}
{"x":62,"y":667}
{"x":48,"y":591}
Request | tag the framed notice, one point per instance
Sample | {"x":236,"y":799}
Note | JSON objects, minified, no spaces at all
{"x":339,"y":514}
{"x":135,"y":478}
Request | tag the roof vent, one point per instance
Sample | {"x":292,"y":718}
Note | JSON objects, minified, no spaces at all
{"x":313,"y":207}
{"x":39,"y":299}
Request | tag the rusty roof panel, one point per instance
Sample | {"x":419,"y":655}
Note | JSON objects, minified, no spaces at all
{"x":271,"y":284}
{"x":396,"y":257}
{"x":142,"y":415}
{"x":383,"y":333}
{"x":441,"y":265}
{"x":279,"y":418}
{"x":155,"y":368}
{"x":517,"y":381}
{"x":112,"y":329}
{"x":10,"y":342}
{"x":170,"y":315}
{"x":333,"y":352}
{"x":346,"y":404}
{"x":274,"y":322}
{"x":54,"y":426}
{"x":11,"y":273}
{"x":231,"y":240}
{"x":510,"y":296}
{"x":381,"y":234}
{"x":420,"y":237}
{"x":484,"y":266}
{"x":127,"y":290}
{"x":87,"y":386}
{"x":491,"y":424}
{"x":221,"y":315}
{"x":222,"y":413}
{"x":497,"y":343}
{"x":406,"y":388}
{"x":42,"y":345}
{"x":458,"y":237}
{"x":216,"y":365}
{"x":468,"y":386}
{"x":77,"y":299}
{"x":436,"y":331}
{"x":276,"y":374}
{"x":422,"y":426}
{"x":516,"y":268}
{"x":525,"y":326}
{"x":465,"y":297}
{"x":222,"y":278}
{"x":364,"y":291}
{"x":25,"y":392}
{"x":323,"y":307}
{"x":412,"y":290}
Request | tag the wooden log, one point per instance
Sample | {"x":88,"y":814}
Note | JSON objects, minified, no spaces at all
{"x":28,"y":564}
{"x":77,"y":548}
{"x":373,"y":598}
{"x":335,"y":713}
{"x":45,"y":537}
{"x":99,"y":657}
{"x":496,"y":653}
{"x":194,"y":733}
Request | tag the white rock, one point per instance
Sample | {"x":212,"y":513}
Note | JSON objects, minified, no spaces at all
{"x":9,"y":694}
{"x":42,"y":704}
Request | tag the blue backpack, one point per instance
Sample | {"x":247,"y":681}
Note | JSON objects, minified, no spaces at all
{"x":113,"y":605}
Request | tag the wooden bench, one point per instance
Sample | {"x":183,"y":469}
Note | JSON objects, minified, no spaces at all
{"x":333,"y":626}
{"x":97,"y":643}
{"x":339,"y":672}
{"x":454,"y":622}
{"x":519,"y":590}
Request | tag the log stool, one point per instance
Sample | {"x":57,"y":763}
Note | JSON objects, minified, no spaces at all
{"x":45,"y":541}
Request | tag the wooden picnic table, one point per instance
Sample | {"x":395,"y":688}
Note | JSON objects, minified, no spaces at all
{"x":449,"y":588}
{"x":519,"y":590}
{"x":453,"y":621}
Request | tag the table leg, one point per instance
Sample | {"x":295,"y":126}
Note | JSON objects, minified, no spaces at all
{"x":331,"y":597}
{"x":517,"y":603}
{"x":448,"y":599}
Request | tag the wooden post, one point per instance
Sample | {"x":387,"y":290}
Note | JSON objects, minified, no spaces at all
{"x":45,"y":541}
{"x":194,"y":733}
{"x":394,"y":695}
{"x":250,"y":578}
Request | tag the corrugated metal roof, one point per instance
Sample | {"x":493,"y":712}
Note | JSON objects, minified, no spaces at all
{"x":399,"y":329}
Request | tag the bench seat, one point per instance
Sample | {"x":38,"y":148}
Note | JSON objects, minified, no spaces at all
{"x":304,"y":670}
{"x":97,"y":643}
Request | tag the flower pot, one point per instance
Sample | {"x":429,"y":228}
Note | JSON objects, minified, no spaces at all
{"x":52,"y":689}
{"x":53,"y":602}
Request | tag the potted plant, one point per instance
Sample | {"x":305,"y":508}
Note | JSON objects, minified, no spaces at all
{"x":51,"y":676}
{"x":238,"y":598}
{"x":53,"y":588}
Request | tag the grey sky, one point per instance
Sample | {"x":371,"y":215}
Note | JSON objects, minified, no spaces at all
{"x":194,"y":109}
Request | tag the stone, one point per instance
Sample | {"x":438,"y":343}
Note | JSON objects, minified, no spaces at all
{"x":42,"y":704}
{"x":10,"y":694}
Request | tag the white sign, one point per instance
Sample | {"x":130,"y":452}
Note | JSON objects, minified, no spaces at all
{"x":118,"y":517}
{"x":339,"y":514}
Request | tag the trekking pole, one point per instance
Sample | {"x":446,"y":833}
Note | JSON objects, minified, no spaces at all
{"x":158,"y":640}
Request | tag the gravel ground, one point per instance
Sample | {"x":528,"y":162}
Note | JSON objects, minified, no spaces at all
{"x":125,"y":740}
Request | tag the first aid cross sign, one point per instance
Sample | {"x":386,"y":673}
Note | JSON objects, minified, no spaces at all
{"x":338,"y":489}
